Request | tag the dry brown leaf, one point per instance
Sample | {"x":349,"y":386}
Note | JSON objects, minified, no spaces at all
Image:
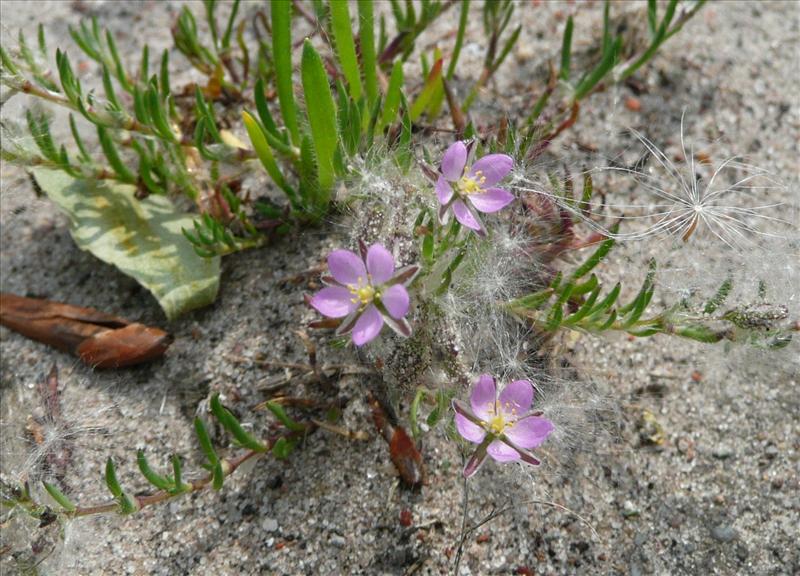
{"x":402,"y":449}
{"x":98,"y":339}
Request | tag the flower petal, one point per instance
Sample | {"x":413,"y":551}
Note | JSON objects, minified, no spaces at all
{"x":468,"y":430}
{"x":346,"y":267}
{"x":515,"y":399}
{"x":493,"y":167}
{"x":466,"y":217}
{"x":483,"y":397}
{"x":334,"y":302}
{"x":529,"y":432}
{"x":368,"y":326}
{"x":502,"y":452}
{"x":443,"y":190}
{"x":380,"y":264}
{"x":453,"y":161}
{"x":395,"y":299}
{"x":491,"y":200}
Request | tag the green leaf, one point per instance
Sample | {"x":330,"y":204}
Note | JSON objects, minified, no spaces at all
{"x":152,"y":476}
{"x":177,"y":475}
{"x":262,"y":148}
{"x":349,"y":117}
{"x":142,"y":238}
{"x":7,"y":63}
{"x":158,"y":112}
{"x":232,"y":425}
{"x":557,"y":310}
{"x":606,"y":27}
{"x":462,"y":26}
{"x":226,"y":38}
{"x":586,"y":307}
{"x":126,"y":505}
{"x":109,"y":149}
{"x":507,"y":47}
{"x":39,"y":127}
{"x":443,"y":399}
{"x":435,"y":104}
{"x":413,"y":412}
{"x":205,"y":442}
{"x":651,"y":16}
{"x":218,"y":476}
{"x":122,"y":76}
{"x":345,"y":47}
{"x":163,"y":76}
{"x":144,"y":67}
{"x":369,"y":63}
{"x":427,"y":248}
{"x":310,"y":190}
{"x":263,"y":110}
{"x":282,"y":448}
{"x":566,"y":51}
{"x":321,"y":113}
{"x":59,"y":497}
{"x":403,"y":156}
{"x":595,"y":76}
{"x":638,"y":305}
{"x":392,"y":101}
{"x":279,"y":413}
{"x":431,"y":84}
{"x":595,"y":258}
{"x":282,"y":56}
{"x":718,"y":298}
{"x":699,"y":333}
{"x":608,"y":301}
{"x":532,"y":301}
{"x":585,"y":287}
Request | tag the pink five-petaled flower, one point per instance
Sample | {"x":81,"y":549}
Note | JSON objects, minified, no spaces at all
{"x":502,"y":425}
{"x":366,"y":291}
{"x":469,"y":190}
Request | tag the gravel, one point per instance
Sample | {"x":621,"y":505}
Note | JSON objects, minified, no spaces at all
{"x":716,"y":492}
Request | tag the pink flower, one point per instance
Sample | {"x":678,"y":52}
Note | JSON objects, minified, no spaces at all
{"x":366,"y":291}
{"x":502,"y":426}
{"x":469,"y":190}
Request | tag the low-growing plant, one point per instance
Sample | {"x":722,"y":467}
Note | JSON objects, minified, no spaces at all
{"x":470,"y":255}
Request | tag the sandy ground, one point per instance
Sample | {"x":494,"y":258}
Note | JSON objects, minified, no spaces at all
{"x":719,"y":494}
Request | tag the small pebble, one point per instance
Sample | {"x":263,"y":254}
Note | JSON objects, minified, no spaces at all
{"x":722,"y":452}
{"x":723,"y":532}
{"x":338,"y":541}
{"x":269,"y":524}
{"x":629,"y":510}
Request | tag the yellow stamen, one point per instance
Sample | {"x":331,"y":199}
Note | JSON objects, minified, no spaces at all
{"x":497,"y":424}
{"x":362,"y":292}
{"x":471,"y":185}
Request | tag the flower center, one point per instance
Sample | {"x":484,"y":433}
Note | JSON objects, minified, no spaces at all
{"x":497,"y":424}
{"x":364,"y":293}
{"x":471,"y":184}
